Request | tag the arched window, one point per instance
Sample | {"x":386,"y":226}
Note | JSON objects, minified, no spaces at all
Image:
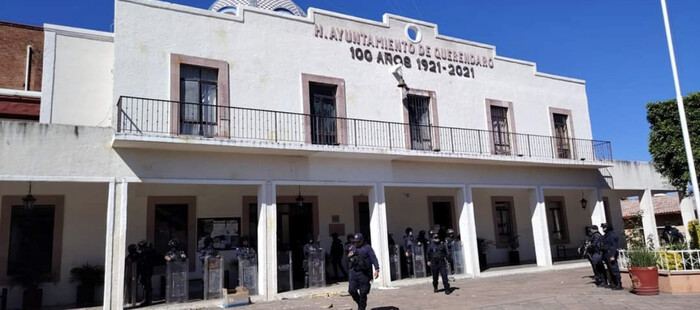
{"x":229,"y":10}
{"x":283,"y":11}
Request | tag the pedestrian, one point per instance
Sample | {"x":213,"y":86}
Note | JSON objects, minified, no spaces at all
{"x":409,"y":242}
{"x":361,"y":258}
{"x":610,"y":256}
{"x":337,"y":252}
{"x":596,"y":251}
{"x":437,"y":261}
{"x":147,"y":259}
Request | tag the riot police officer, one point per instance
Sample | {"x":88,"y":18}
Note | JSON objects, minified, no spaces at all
{"x":596,"y":251}
{"x":610,"y":256}
{"x":437,"y":261}
{"x":175,"y":253}
{"x":308,"y":247}
{"x":146,"y":259}
{"x":450,"y":243}
{"x":207,"y":250}
{"x":361,"y":259}
{"x":409,"y":242}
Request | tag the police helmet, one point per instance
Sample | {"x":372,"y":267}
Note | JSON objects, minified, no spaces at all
{"x":358,"y":237}
{"x":173,"y":243}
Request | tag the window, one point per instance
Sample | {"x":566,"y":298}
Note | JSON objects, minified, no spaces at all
{"x":556,"y":220}
{"x":561,"y":135}
{"x":31,"y":239}
{"x":198,"y":100}
{"x":500,"y":130}
{"x":504,"y":221}
{"x":324,"y":123}
{"x":324,"y":106}
{"x":419,"y":122}
{"x":284,"y":11}
{"x":229,"y":10}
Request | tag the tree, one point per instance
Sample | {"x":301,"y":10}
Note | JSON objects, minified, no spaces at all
{"x":666,"y":139}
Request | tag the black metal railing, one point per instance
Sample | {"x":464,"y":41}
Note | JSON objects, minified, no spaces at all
{"x":154,"y":116}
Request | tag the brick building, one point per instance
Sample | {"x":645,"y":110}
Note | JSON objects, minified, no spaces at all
{"x":21,"y":62}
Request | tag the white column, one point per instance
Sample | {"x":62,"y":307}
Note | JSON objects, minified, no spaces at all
{"x":267,"y":240}
{"x":467,"y":229}
{"x":646,"y":205}
{"x":616,"y":217}
{"x":595,"y":202}
{"x":109,"y":243}
{"x":540,"y":229}
{"x":114,"y":296}
{"x":379,"y":232}
{"x":687,"y":214}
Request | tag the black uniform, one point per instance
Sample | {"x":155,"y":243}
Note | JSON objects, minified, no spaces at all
{"x":450,"y":244}
{"x":337,"y":251}
{"x":409,"y":242}
{"x":438,"y":257}
{"x":596,"y":251}
{"x":361,"y":261}
{"x":147,"y":259}
{"x":610,"y":256}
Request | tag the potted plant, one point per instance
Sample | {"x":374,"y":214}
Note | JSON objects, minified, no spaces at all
{"x":89,"y":277}
{"x":483,"y":246}
{"x":514,"y":254}
{"x":642,"y":269}
{"x":30,"y":278}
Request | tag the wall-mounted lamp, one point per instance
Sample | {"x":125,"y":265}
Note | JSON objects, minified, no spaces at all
{"x":397,"y":72}
{"x":300,"y":198}
{"x":29,"y":200}
{"x":584,"y":202}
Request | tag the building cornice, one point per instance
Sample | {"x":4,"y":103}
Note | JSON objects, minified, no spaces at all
{"x":80,"y":33}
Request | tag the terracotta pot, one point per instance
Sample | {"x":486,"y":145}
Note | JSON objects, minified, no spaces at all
{"x":645,"y":280}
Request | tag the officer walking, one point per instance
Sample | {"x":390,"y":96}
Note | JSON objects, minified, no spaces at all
{"x":596,"y":251}
{"x":610,"y":256}
{"x":361,"y":259}
{"x":437,"y":260}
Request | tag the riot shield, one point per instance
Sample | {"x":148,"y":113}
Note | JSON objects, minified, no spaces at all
{"x":418,"y":262}
{"x":284,"y":271}
{"x":131,"y":285}
{"x":317,"y":268}
{"x":395,"y":260}
{"x":213,"y":277}
{"x":177,"y":281}
{"x":458,"y":257}
{"x":248,"y":272}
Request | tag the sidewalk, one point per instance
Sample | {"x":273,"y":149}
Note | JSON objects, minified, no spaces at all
{"x":566,"y":289}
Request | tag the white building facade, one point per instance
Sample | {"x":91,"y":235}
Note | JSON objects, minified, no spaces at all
{"x":184,"y":115}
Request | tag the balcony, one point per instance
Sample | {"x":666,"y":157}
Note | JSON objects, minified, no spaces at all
{"x":142,"y":120}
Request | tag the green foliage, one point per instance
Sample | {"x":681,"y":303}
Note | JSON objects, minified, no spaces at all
{"x":643,"y":256}
{"x":694,"y":230}
{"x":88,"y":275}
{"x":666,"y":138}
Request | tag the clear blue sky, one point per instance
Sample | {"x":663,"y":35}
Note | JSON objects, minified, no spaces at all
{"x":618,"y":47}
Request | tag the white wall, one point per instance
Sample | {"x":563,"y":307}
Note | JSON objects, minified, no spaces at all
{"x":78,"y":77}
{"x":408,"y":207}
{"x":84,"y":228}
{"x":270,"y":52}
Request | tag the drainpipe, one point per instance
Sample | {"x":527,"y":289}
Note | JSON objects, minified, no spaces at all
{"x":28,"y":67}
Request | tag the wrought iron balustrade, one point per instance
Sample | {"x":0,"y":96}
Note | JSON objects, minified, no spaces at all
{"x":164,"y":117}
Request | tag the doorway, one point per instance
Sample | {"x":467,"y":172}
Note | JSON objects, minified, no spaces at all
{"x":442,"y":214}
{"x":362,"y":221}
{"x":324,"y":126}
{"x":295,"y":223}
{"x":419,"y":122}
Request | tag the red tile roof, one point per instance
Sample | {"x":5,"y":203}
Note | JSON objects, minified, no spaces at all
{"x":662,"y":205}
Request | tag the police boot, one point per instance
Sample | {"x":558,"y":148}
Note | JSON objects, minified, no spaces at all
{"x":448,"y":290}
{"x":618,"y":285}
{"x":435,"y":289}
{"x":603,"y":283}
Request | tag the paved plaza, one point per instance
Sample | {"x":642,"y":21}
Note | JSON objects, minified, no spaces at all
{"x":566,"y":289}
